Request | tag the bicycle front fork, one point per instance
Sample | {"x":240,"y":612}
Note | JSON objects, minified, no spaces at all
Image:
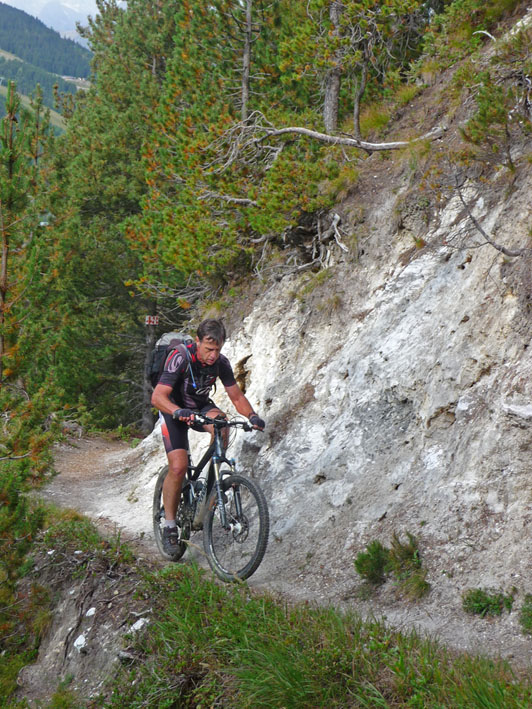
{"x":220,"y":502}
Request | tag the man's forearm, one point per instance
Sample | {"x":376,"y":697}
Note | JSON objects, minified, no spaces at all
{"x":243,"y":407}
{"x":161,"y":401}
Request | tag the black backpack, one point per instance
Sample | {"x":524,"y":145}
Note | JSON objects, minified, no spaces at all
{"x":165,"y":346}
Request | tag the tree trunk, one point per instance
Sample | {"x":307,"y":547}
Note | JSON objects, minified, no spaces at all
{"x":246,"y":59}
{"x":360,"y":87}
{"x":3,"y":293}
{"x":147,"y":414}
{"x":333,"y":77}
{"x":6,"y":214}
{"x":330,"y":101}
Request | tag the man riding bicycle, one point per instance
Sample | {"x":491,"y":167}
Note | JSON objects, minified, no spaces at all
{"x":189,"y":373}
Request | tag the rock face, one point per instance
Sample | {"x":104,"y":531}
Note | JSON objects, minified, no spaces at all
{"x":398,"y":400}
{"x":406,"y":408}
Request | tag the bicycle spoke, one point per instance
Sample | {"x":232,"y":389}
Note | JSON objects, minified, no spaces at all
{"x":237,"y":551}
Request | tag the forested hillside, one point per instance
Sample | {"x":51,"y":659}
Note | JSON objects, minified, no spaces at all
{"x":27,"y":77}
{"x":205,"y":163}
{"x":30,"y":40}
{"x":212,"y":144}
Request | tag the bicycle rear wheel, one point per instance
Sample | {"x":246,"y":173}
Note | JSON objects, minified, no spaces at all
{"x":158,"y":521}
{"x":237,"y":552}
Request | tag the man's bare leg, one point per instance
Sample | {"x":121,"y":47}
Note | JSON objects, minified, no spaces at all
{"x":177,"y":468}
{"x":213,"y":413}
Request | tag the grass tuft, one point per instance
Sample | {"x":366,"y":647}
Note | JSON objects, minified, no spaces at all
{"x":373,"y":563}
{"x":525,"y":615}
{"x":403,"y":561}
{"x":483,"y":602}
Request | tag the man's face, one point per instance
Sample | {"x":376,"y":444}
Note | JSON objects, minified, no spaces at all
{"x":207,"y":350}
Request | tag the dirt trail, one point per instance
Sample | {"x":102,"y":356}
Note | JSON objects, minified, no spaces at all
{"x":112,"y":484}
{"x":90,"y":470}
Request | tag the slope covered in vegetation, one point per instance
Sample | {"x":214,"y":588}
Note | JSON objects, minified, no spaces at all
{"x":30,"y":40}
{"x":26,"y":78}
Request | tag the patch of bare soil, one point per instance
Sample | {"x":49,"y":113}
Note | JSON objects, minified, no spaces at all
{"x":96,"y":610}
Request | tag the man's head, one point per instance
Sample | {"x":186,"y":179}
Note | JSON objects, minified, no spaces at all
{"x":210,"y":340}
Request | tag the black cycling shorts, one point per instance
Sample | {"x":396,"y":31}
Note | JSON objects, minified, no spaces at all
{"x":175,"y":433}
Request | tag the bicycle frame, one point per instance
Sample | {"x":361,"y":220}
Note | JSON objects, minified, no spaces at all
{"x":215,"y":455}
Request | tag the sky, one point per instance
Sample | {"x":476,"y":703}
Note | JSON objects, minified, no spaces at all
{"x":32,"y":7}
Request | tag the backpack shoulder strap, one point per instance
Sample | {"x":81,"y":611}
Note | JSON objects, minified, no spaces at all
{"x":187,"y":359}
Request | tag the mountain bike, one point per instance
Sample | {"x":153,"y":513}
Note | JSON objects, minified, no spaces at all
{"x":230,"y":508}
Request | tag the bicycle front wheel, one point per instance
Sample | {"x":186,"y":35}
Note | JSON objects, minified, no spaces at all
{"x":236,"y":552}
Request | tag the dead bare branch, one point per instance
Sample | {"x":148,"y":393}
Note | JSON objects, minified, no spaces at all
{"x":16,"y":457}
{"x":244,"y":201}
{"x":502,"y":249}
{"x":433,"y":134}
{"x":249,"y":142}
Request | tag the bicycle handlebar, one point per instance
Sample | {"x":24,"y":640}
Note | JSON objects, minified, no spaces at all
{"x":222,"y":422}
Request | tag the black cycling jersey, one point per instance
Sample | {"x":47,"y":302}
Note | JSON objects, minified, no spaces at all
{"x":191,"y":381}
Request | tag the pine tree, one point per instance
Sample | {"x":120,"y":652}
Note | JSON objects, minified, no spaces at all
{"x":15,"y":182}
{"x":99,"y":184}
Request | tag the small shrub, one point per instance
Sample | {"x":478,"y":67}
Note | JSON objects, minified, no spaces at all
{"x":406,"y":93}
{"x":483,"y":602}
{"x":314,"y":282}
{"x":525,"y":616}
{"x":402,"y":560}
{"x":373,"y":119}
{"x":373,"y":563}
{"x":405,"y":563}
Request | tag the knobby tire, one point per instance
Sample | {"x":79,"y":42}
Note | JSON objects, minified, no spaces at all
{"x":236,"y":555}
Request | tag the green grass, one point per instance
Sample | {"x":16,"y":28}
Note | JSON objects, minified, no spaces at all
{"x":483,"y":602}
{"x":214,"y":645}
{"x":525,"y":615}
{"x":223,"y":646}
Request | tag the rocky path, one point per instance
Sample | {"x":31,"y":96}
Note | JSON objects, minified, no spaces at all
{"x":112,"y":483}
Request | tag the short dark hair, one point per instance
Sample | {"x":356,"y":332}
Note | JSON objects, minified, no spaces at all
{"x":212,"y":330}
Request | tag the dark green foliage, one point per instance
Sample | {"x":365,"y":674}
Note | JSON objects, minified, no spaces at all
{"x":30,"y":40}
{"x":373,"y":564}
{"x":479,"y":601}
{"x":17,"y":525}
{"x":500,"y":118}
{"x":458,"y":29}
{"x":21,"y":612}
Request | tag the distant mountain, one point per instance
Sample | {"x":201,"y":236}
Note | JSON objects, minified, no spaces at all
{"x":60,"y":15}
{"x":30,"y":40}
